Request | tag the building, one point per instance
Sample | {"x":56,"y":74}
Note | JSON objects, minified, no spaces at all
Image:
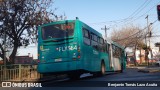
{"x":1,"y":62}
{"x":130,"y":58}
{"x":140,"y":56}
{"x":137,"y":57}
{"x":23,"y":60}
{"x":29,"y":50}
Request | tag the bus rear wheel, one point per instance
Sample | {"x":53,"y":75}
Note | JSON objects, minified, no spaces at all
{"x":101,"y":72}
{"x":121,"y":71}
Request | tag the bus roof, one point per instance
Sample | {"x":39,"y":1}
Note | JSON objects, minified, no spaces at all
{"x":91,"y":29}
{"x":116,"y":44}
{"x":56,"y":22}
{"x":86,"y":26}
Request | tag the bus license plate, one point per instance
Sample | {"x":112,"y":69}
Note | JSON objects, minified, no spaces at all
{"x":58,"y":60}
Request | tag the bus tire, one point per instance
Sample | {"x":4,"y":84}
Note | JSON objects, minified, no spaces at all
{"x":103,"y":68}
{"x":101,"y":72}
{"x":121,"y":71}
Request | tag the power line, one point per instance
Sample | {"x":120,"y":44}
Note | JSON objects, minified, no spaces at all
{"x":136,"y":18}
{"x":113,"y":21}
{"x":137,"y":32}
{"x":138,"y":9}
{"x":146,"y":12}
{"x":142,"y":7}
{"x":122,"y":20}
{"x":155,"y":36}
{"x":129,"y":19}
{"x":131,"y":35}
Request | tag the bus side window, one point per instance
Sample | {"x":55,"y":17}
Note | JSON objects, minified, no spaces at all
{"x":116,"y":52}
{"x":94,"y":41}
{"x":102,"y":45}
{"x":95,"y":38}
{"x":113,"y":51}
{"x":106,"y":45}
{"x":86,"y":36}
{"x":99,"y":46}
{"x":101,"y":40}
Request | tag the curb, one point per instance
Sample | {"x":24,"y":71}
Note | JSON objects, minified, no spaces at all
{"x":149,"y":71}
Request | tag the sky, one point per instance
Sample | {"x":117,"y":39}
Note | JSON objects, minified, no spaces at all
{"x":115,"y":14}
{"x":112,"y":13}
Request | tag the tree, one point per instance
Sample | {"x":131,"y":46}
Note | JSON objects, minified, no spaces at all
{"x":19,"y":20}
{"x":128,"y":36}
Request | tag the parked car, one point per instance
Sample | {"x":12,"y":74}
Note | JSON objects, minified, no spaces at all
{"x":157,"y":62}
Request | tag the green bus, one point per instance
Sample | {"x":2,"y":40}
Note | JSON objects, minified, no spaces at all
{"x":72,"y":47}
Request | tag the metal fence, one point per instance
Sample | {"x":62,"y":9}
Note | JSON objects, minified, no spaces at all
{"x":19,"y":72}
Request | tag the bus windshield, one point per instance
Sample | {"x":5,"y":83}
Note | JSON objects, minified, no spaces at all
{"x":57,"y":31}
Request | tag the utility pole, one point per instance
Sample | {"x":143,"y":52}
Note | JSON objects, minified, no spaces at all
{"x":105,"y":28}
{"x":149,"y":39}
{"x":150,"y":35}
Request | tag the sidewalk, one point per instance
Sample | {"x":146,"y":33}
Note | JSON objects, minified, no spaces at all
{"x":149,"y":69}
{"x":146,"y":69}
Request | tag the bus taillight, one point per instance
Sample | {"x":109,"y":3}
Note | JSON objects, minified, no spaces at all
{"x":77,"y":57}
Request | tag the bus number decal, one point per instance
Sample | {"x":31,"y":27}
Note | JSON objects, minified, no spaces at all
{"x":66,"y":48}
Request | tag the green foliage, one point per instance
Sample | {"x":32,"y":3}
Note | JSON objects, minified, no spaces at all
{"x":19,"y":19}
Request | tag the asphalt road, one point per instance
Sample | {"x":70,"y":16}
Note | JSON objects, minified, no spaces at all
{"x":111,"y":81}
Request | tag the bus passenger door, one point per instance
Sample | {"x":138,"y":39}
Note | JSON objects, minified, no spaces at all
{"x":110,"y":56}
